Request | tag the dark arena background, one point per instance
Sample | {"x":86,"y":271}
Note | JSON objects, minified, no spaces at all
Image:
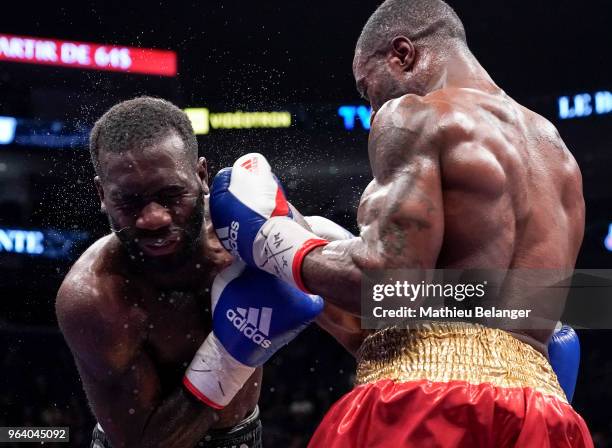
{"x":291,"y":63}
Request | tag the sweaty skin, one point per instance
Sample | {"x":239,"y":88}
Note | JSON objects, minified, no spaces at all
{"x":133,"y":330}
{"x":463,"y":178}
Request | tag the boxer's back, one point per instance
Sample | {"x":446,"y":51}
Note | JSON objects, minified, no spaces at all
{"x":512,"y":192}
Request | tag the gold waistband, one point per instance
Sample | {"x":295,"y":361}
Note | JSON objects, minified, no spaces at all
{"x":442,"y":352}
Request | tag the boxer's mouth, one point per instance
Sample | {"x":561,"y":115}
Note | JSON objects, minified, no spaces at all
{"x":159,"y":246}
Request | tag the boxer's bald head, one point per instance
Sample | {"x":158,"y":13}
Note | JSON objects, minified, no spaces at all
{"x":402,"y":33}
{"x":431,"y":21}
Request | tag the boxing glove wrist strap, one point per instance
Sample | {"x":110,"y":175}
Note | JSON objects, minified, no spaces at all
{"x":280,"y":248}
{"x":214,"y":376}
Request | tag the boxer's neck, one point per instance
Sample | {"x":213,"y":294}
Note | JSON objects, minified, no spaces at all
{"x":458,"y":68}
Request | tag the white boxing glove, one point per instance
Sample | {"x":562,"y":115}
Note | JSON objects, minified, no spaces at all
{"x":326,"y":228}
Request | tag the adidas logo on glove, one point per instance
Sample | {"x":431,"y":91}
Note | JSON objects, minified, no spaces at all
{"x":228,"y":236}
{"x":251,"y":164}
{"x":255,"y":324}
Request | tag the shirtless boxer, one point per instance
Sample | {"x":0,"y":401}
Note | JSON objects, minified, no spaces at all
{"x":135,"y":309}
{"x":464,"y":177}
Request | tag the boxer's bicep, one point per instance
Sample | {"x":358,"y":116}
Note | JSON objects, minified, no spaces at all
{"x":123,"y":401}
{"x":132,"y":411}
{"x":411,"y":225}
{"x":118,"y":376}
{"x":402,"y":216}
{"x":122,"y":382}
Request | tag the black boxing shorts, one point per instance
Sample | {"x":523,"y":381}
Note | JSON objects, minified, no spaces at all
{"x":246,"y":434}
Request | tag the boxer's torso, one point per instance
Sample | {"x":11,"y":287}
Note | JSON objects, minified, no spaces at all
{"x":160,"y":316}
{"x":512,"y":192}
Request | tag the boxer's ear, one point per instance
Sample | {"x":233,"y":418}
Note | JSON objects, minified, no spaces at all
{"x":403,"y":53}
{"x":203,"y":173}
{"x":100,"y":191}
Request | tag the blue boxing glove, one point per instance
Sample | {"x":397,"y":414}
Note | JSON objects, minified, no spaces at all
{"x":254,"y":315}
{"x":253,"y":220}
{"x":564,"y":355}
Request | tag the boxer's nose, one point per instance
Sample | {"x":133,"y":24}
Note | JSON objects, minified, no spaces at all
{"x":153,"y":217}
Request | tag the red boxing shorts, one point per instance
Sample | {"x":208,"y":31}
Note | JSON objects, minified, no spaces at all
{"x":451,"y":385}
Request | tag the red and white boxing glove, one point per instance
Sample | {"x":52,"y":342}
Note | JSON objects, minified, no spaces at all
{"x":253,"y":220}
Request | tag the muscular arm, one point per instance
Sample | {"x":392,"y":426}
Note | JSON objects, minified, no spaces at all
{"x":119,"y":377}
{"x":401,"y":214}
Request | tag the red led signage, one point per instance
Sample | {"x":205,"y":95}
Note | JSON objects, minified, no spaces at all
{"x":34,"y":50}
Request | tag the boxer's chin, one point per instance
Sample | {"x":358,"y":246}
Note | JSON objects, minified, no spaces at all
{"x":166,"y":257}
{"x":154,"y":249}
{"x":163,"y":258}
{"x":151,"y":254}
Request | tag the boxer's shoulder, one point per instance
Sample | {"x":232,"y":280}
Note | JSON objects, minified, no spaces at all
{"x":100,"y":326}
{"x":410,"y":112}
{"x":461,"y":129}
{"x":415,"y":127}
{"x":438,"y":116}
{"x":95,"y":276}
{"x":99,"y":257}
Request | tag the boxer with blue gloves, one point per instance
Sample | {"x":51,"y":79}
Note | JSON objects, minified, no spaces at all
{"x":564,"y":355}
{"x":248,"y":203}
{"x":136,"y":309}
